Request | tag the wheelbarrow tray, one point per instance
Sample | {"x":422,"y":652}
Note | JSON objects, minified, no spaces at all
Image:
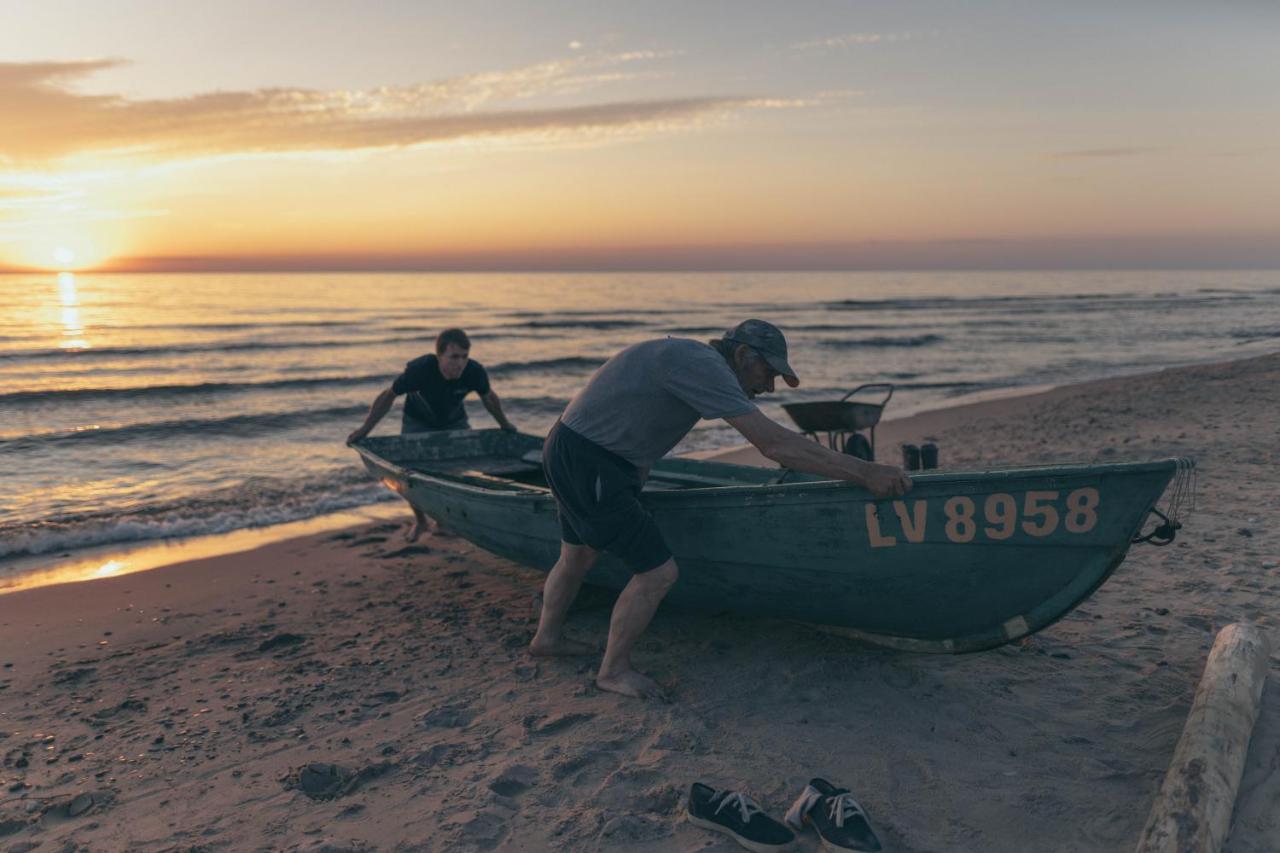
{"x":834,"y":415}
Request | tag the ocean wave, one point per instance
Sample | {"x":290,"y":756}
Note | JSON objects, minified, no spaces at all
{"x":588,"y":312}
{"x":568,"y":363}
{"x":234,"y":426}
{"x":149,"y":392}
{"x":884,"y":341}
{"x":1040,"y":303}
{"x":47,"y":354}
{"x":535,"y":405}
{"x":1255,"y":334}
{"x":255,"y":503}
{"x":576,"y":324}
{"x":708,"y":331}
{"x":573,"y":364}
{"x":244,"y":327}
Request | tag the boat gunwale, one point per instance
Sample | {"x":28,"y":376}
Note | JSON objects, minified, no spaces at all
{"x":792,"y":490}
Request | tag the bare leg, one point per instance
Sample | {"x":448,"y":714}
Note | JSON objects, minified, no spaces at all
{"x":421,"y":525}
{"x":558,"y":593}
{"x":631,"y":615}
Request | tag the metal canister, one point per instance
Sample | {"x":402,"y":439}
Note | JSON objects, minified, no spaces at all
{"x":928,"y":456}
{"x":911,"y":457}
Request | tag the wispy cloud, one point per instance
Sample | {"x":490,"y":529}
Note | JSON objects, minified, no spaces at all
{"x":46,"y":118}
{"x":1103,"y":153}
{"x":848,"y":40}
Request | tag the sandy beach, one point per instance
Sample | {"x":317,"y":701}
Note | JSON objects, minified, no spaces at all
{"x":344,"y":691}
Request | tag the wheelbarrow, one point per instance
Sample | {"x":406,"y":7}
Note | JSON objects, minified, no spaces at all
{"x":843,"y":420}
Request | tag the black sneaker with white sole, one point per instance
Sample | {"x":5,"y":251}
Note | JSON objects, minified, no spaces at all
{"x":835,"y":815}
{"x":737,"y":816}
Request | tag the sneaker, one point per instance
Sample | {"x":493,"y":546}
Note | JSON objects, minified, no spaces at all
{"x":839,"y":820}
{"x":737,"y":816}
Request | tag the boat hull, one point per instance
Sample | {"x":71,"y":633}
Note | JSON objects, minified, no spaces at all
{"x":966,"y":561}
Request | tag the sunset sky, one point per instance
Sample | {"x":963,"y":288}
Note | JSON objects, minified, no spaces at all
{"x":166,"y":134}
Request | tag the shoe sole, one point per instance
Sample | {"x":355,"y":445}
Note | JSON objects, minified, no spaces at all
{"x":831,"y":845}
{"x":755,"y":846}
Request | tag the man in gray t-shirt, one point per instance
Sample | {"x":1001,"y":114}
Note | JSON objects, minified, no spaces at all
{"x":647,"y":397}
{"x":631,"y":413}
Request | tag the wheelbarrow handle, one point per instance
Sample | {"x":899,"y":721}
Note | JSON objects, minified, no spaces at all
{"x":880,"y":385}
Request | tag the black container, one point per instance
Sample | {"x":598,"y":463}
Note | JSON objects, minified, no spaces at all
{"x":910,"y":457}
{"x":928,"y":456}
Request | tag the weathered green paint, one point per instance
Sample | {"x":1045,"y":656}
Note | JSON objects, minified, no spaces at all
{"x":810,"y":549}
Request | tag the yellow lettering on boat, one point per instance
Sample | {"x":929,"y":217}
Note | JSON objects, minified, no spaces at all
{"x":1036,"y":506}
{"x":960,"y":524}
{"x":1001,"y":509}
{"x":913,"y":523}
{"x":878,"y":540}
{"x":1082,"y":510}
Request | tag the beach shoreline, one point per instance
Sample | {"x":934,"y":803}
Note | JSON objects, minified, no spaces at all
{"x":182,"y":706}
{"x":86,"y":564}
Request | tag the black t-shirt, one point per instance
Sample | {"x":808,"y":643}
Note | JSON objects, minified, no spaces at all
{"x":434,"y":399}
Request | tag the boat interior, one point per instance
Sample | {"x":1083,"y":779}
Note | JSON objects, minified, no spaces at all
{"x":493,"y":459}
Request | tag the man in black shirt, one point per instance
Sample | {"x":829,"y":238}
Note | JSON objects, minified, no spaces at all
{"x":436,"y":385}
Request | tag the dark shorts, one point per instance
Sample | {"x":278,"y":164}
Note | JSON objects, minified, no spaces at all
{"x":410,"y":424}
{"x":598,"y":495}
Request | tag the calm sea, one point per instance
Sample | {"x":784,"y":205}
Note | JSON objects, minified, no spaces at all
{"x":143,"y":407}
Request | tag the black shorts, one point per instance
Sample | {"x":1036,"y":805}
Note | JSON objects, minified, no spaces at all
{"x":598,"y":495}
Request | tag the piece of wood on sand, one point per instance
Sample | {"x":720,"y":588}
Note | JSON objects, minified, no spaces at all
{"x":1192,"y":811}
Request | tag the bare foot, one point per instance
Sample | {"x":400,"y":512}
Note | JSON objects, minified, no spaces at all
{"x":560,"y":648}
{"x":413,"y":534}
{"x":631,"y":683}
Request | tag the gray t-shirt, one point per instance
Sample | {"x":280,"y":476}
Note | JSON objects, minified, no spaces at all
{"x":641,"y":402}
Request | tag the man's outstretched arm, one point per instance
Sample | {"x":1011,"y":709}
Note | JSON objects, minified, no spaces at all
{"x":381,"y":405}
{"x":792,"y":450}
{"x":494,"y":406}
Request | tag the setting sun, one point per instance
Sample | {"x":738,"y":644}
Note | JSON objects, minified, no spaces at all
{"x":65,"y":253}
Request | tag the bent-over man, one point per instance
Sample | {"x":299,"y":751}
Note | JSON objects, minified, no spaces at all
{"x":435,"y":386}
{"x":635,"y":408}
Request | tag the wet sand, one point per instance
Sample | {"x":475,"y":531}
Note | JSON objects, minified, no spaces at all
{"x":344,"y":691}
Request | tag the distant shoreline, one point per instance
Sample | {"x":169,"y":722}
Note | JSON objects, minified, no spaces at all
{"x":637,"y":270}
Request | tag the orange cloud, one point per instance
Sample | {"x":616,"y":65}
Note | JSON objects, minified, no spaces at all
{"x":45,"y":119}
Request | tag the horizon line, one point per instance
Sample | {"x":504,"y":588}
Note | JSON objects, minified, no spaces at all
{"x":1164,"y":252}
{"x":711,"y":269}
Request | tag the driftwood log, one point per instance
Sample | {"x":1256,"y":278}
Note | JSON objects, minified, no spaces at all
{"x":1192,"y":811}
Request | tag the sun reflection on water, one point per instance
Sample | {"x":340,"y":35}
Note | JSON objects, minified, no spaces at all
{"x":72,"y":328}
{"x":109,"y":568}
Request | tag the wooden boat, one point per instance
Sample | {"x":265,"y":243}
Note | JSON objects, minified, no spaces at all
{"x":967,"y":561}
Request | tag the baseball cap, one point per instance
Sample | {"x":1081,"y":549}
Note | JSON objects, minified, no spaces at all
{"x":766,"y":339}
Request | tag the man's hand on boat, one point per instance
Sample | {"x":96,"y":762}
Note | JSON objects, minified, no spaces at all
{"x":356,"y":435}
{"x":885,"y":481}
{"x":792,"y":450}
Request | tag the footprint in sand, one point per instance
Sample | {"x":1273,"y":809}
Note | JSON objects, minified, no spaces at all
{"x":514,"y":780}
{"x":442,"y":754}
{"x":407,"y":551}
{"x":908,"y":778}
{"x":448,"y":717}
{"x":574,"y":766}
{"x":899,"y":674}
{"x":559,"y":723}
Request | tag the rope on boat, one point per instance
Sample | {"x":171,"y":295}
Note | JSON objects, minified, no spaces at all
{"x":1182,"y":499}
